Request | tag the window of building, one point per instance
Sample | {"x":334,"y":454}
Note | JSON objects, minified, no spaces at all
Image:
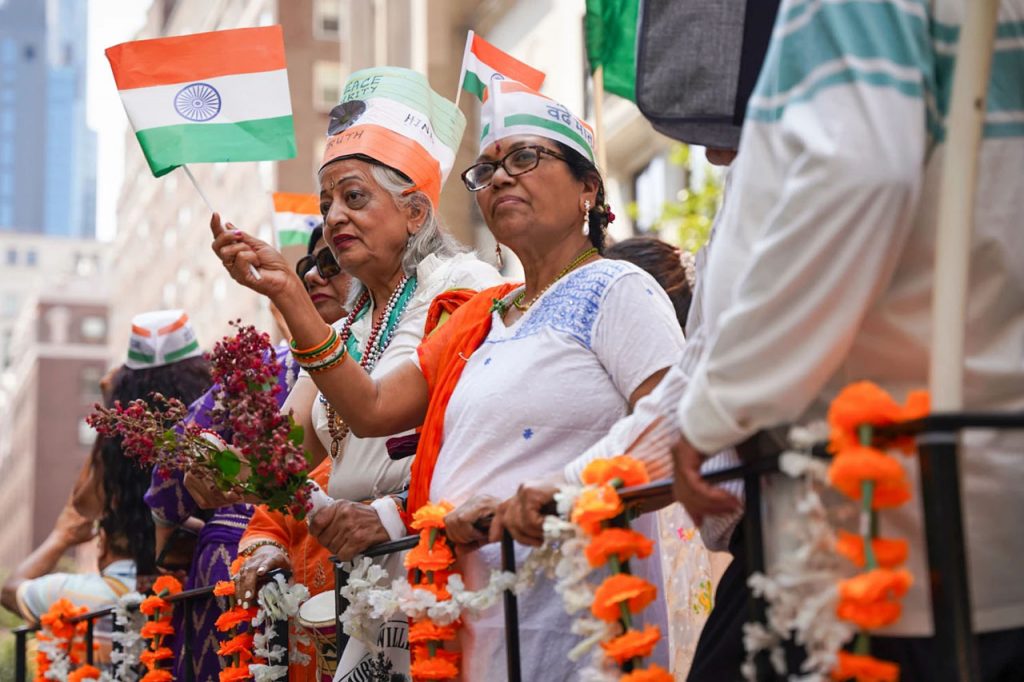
{"x":658,"y":183}
{"x":31,"y":258}
{"x":6,"y":151}
{"x":10,"y":306}
{"x":326,"y":19}
{"x":94,"y":327}
{"x":29,"y":52}
{"x":326,"y":85}
{"x":6,"y":214}
{"x":7,"y":122}
{"x":12,"y":256}
{"x":6,"y":183}
{"x":86,"y":434}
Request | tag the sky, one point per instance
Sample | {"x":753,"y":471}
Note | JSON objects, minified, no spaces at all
{"x":110,"y":22}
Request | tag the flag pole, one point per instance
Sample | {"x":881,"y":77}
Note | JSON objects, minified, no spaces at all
{"x":602,"y":156}
{"x":462,"y":71}
{"x":956,"y":204}
{"x":252,"y":268}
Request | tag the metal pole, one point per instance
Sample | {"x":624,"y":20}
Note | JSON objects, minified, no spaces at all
{"x":340,"y":604}
{"x":753,"y":545}
{"x":89,"y":657}
{"x":947,"y":556}
{"x":20,"y":655}
{"x":508,"y":563}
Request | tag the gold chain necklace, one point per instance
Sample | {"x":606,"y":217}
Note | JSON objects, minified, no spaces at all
{"x":578,"y":261}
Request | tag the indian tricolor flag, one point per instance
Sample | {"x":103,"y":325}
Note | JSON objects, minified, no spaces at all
{"x":483,"y":61}
{"x":295,"y":217}
{"x":220,"y":96}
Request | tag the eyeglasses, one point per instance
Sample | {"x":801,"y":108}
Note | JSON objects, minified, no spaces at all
{"x":516,"y":162}
{"x":324,"y":262}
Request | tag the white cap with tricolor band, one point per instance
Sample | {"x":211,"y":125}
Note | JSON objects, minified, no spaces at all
{"x":161,"y":337}
{"x":393,"y":116}
{"x":515,"y":109}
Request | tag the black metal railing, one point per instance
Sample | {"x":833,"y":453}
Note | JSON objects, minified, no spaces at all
{"x":937,"y":438}
{"x":187,"y":600}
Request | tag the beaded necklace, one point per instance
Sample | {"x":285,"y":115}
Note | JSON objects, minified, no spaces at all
{"x":381,"y":333}
{"x":578,"y":261}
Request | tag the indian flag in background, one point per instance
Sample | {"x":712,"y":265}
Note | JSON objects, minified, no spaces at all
{"x":295,"y":217}
{"x":219,"y":96}
{"x":482,"y":61}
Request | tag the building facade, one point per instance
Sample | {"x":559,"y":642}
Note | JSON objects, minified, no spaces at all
{"x":60,"y":342}
{"x":45,"y":144}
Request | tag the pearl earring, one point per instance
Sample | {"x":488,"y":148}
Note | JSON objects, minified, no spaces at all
{"x":586,"y":218}
{"x":497,"y":253}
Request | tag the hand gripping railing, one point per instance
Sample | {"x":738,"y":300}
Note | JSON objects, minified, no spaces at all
{"x":938,"y":453}
{"x":937,"y":438}
{"x":186,"y":598}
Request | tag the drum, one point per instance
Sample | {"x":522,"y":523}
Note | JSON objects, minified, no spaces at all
{"x":317,"y":616}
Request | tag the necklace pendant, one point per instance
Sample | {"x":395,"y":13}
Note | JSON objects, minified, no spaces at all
{"x":335,"y":446}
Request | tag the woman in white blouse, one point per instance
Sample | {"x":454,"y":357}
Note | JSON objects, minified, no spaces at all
{"x":521,"y":377}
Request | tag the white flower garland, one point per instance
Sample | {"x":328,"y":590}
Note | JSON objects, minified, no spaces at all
{"x":128,"y":645}
{"x":801,"y":591}
{"x":371,"y":601}
{"x":278,"y":601}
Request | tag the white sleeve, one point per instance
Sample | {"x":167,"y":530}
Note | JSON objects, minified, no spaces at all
{"x":636,"y":333}
{"x":826,"y":232}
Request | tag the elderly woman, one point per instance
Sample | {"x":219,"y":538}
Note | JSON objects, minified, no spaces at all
{"x":521,"y":378}
{"x":391,"y":143}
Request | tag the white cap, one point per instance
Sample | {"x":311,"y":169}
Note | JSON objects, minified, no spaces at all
{"x":161,"y":337}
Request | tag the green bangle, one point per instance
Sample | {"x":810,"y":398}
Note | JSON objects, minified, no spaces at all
{"x":328,"y":342}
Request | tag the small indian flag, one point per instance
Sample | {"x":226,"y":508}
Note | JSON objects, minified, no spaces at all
{"x":219,"y":96}
{"x":482,"y":61}
{"x":295,"y":217}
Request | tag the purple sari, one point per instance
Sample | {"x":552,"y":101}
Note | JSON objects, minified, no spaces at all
{"x":217,"y":545}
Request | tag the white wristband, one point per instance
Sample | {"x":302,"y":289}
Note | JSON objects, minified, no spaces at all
{"x":390,"y":517}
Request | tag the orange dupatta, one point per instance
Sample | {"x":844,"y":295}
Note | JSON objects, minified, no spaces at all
{"x":442,"y":358}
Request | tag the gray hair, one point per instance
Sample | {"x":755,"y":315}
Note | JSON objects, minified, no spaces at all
{"x":431,"y":237}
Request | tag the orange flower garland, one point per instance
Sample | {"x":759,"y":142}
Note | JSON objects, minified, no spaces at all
{"x":878,"y":481}
{"x":86,"y":672}
{"x":429,"y":563}
{"x":621,"y":595}
{"x":58,"y":630}
{"x":239,"y":645}
{"x":157,"y":628}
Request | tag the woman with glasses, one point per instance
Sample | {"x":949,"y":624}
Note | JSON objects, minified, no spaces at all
{"x":391,"y":143}
{"x":521,"y":378}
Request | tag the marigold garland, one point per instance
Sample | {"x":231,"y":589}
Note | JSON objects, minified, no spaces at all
{"x":86,"y":672}
{"x":429,"y":563}
{"x":58,"y":649}
{"x":158,"y":628}
{"x":864,"y":669}
{"x":599,"y":512}
{"x":654,"y":673}
{"x":877,"y":480}
{"x":594,"y":506}
{"x":238,"y":647}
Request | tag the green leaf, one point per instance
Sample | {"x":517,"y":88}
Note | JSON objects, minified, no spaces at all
{"x":228,"y":464}
{"x":296,"y":432}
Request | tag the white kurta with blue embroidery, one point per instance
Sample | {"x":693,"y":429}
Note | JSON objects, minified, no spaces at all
{"x":536,"y":394}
